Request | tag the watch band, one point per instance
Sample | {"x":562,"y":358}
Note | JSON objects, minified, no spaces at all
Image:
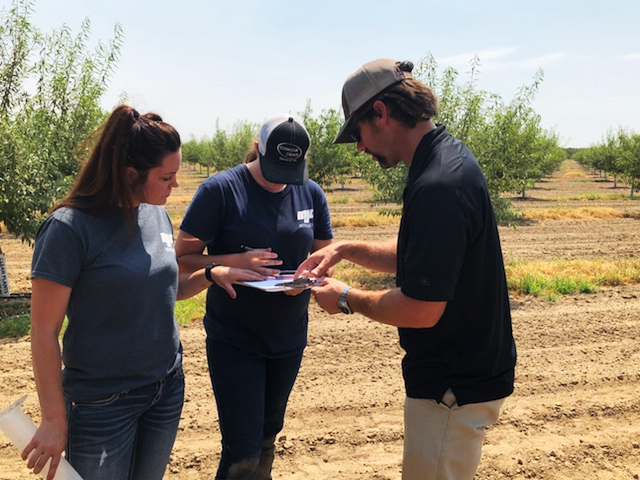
{"x":207,"y":271}
{"x":343,"y":305}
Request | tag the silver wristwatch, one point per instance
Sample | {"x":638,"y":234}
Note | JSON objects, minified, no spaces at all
{"x":343,"y":305}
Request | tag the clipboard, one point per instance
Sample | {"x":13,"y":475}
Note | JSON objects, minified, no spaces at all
{"x":280,"y":283}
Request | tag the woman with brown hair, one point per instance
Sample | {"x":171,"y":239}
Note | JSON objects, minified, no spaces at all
{"x":105,"y":259}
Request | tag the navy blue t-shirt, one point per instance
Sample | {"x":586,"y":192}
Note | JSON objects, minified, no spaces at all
{"x":231,"y":209}
{"x":449,"y":250}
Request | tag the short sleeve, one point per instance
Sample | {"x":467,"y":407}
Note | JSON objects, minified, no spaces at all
{"x":58,"y":253}
{"x":322,"y":220}
{"x":204,"y":214}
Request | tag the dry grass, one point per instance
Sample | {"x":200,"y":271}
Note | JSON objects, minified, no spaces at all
{"x":575,"y":172}
{"x":597,"y":272}
{"x":572,"y":213}
{"x":369,"y":219}
{"x":360,"y":277}
{"x":340,"y":197}
{"x":592,"y":197}
{"x":572,"y":170}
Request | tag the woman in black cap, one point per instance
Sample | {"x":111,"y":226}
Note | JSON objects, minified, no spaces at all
{"x":264,"y":215}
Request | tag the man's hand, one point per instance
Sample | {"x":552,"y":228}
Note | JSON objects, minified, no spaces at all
{"x":327,"y":294}
{"x":319,"y":262}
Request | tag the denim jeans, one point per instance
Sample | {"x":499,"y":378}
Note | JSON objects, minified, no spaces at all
{"x":251,"y":394}
{"x":129,"y":435}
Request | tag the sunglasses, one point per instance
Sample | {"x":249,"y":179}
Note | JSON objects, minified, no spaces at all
{"x":355,"y":133}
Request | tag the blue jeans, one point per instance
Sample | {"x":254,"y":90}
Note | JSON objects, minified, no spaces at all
{"x":129,"y":435}
{"x":251,"y":394}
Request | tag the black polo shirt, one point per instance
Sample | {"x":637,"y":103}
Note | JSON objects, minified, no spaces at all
{"x":449,"y":250}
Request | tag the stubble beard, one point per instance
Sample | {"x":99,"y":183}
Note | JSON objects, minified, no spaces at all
{"x":382,"y":161}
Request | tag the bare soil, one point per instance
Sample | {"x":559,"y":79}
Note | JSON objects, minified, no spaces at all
{"x":575,"y":412}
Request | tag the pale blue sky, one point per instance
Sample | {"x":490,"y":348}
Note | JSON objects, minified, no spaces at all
{"x":200,"y":61}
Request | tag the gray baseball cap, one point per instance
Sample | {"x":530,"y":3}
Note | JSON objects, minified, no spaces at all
{"x":364,"y":84}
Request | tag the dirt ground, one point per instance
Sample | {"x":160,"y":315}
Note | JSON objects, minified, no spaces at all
{"x":575,"y":412}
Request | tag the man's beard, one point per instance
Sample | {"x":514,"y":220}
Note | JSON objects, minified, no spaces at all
{"x":382,"y":161}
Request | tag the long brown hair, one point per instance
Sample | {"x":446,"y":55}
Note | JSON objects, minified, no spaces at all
{"x":252,"y":153}
{"x":410,"y":102}
{"x":126,"y":139}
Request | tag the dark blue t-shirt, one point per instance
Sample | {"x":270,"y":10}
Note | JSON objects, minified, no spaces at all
{"x":231,"y":209}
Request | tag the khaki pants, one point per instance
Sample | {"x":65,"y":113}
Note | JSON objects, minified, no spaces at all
{"x":443,"y":441}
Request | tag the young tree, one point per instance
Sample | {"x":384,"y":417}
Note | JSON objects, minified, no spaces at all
{"x":192,"y":152}
{"x":239,"y":142}
{"x":513,"y":149}
{"x":328,"y":163}
{"x":50,"y":87}
{"x":629,"y":158}
{"x":506,"y":138}
{"x":606,"y":157}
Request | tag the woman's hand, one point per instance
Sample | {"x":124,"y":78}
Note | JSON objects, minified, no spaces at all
{"x":48,"y":443}
{"x":225,"y":277}
{"x":262,"y":261}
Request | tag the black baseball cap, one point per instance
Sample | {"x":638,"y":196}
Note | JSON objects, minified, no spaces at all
{"x":283,"y":145}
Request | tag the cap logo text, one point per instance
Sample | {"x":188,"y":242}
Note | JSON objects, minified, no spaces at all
{"x":289,"y":152}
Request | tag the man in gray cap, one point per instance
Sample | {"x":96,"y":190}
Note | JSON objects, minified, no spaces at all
{"x":451,"y":303}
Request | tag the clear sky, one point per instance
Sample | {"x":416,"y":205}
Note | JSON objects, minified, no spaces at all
{"x":198,"y":62}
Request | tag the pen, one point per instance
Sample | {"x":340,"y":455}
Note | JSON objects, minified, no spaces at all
{"x":250,"y":249}
{"x":285,"y":274}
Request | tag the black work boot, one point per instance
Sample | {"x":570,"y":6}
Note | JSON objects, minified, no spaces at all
{"x":267,"y":454}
